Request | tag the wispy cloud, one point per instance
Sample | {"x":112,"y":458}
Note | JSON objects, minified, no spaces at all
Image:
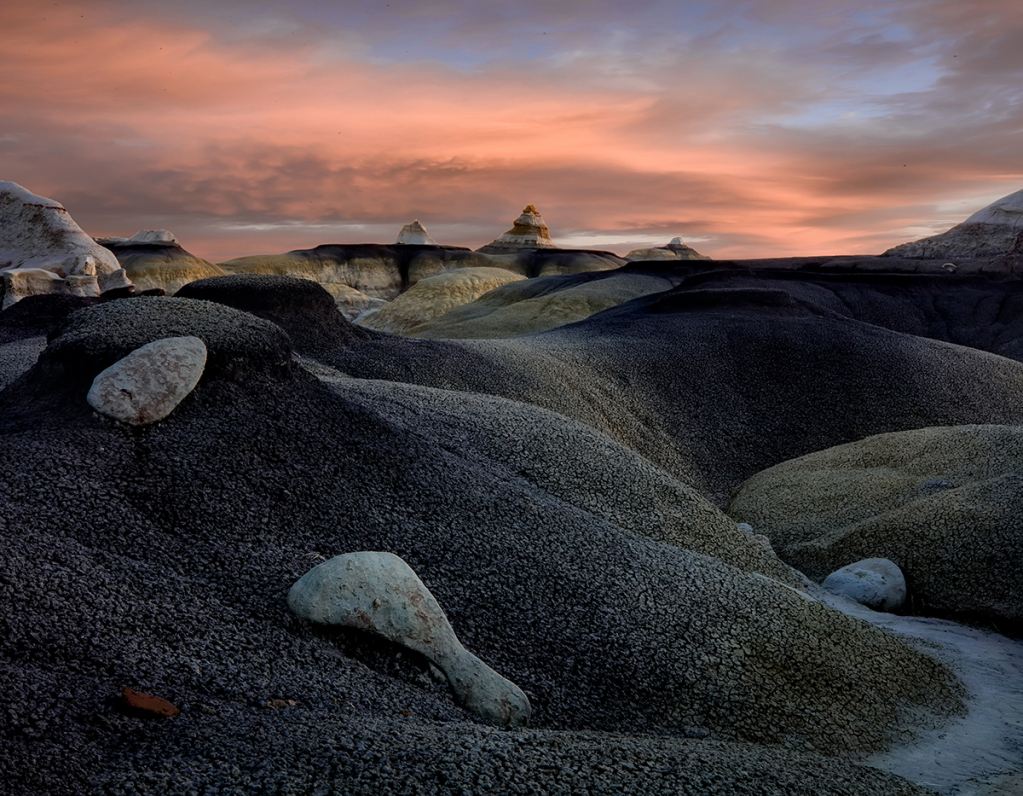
{"x":760,"y":129}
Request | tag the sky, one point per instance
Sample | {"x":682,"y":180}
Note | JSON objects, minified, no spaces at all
{"x":750,"y":128}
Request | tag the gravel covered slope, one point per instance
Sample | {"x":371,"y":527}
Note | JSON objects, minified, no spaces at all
{"x":159,"y":557}
{"x":713,"y":385}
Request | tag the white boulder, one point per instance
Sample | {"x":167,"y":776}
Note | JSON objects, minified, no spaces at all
{"x":874,"y":582}
{"x":379,"y":593}
{"x":150,"y":382}
{"x":37,"y":234}
{"x":415,"y":234}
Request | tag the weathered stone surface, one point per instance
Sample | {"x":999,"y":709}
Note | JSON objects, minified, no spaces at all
{"x":150,"y":382}
{"x":415,"y":234}
{"x":38,"y":234}
{"x":146,"y":706}
{"x":874,"y":582}
{"x":528,"y":232}
{"x":379,"y":593}
{"x":942,"y":503}
{"x":432,"y":297}
{"x":992,"y":230}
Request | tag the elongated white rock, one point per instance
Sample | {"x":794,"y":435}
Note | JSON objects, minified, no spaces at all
{"x":380,"y":593}
{"x":150,"y":382}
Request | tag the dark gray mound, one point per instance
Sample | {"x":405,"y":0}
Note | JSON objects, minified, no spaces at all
{"x":39,"y":315}
{"x":714,"y":381}
{"x":403,"y":756}
{"x":160,"y":558}
{"x":239,"y":346}
{"x":301,"y":307}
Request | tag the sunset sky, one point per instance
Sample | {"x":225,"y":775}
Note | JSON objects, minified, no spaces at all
{"x":751,"y":128}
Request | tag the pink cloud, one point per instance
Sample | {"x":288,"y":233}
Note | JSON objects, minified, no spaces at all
{"x":249,"y":143}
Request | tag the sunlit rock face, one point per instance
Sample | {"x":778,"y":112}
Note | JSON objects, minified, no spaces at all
{"x":528,"y":232}
{"x":415,"y":234}
{"x":676,"y":250}
{"x":993,"y":230}
{"x":38,"y":234}
{"x":153,"y":258}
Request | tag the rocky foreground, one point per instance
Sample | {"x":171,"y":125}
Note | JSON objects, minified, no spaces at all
{"x":561,"y":494}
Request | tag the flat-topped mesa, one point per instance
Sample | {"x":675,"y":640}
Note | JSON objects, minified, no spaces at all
{"x":42,"y":250}
{"x":156,"y":237}
{"x":528,"y":232}
{"x":415,"y":234}
{"x":676,"y":250}
{"x":993,"y":230}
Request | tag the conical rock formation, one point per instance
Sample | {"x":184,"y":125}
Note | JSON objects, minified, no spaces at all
{"x":415,"y":234}
{"x":991,"y":231}
{"x":528,"y":232}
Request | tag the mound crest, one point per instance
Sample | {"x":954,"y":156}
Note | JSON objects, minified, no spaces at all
{"x":240,"y":347}
{"x":301,"y":307}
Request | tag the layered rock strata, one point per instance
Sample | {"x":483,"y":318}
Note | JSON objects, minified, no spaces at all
{"x":528,"y":232}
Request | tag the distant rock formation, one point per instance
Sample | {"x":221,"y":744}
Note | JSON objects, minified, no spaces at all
{"x":528,"y":232}
{"x":676,"y":250}
{"x":415,"y":234}
{"x":142,"y":236}
{"x":992,"y":230}
{"x":42,"y":250}
{"x":153,"y":258}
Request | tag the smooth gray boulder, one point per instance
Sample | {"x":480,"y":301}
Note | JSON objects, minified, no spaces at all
{"x":877,"y":583}
{"x":379,"y":593}
{"x":150,"y":382}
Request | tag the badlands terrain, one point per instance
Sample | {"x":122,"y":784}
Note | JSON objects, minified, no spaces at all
{"x":603,"y":493}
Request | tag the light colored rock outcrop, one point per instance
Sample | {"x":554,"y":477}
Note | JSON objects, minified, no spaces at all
{"x":351,"y":302}
{"x":415,"y":234}
{"x":38,"y":234}
{"x":379,"y":593}
{"x":992,"y":230}
{"x":874,"y":582}
{"x":528,"y":232}
{"x":676,"y":250}
{"x":142,"y":236}
{"x":432,"y":297}
{"x":150,"y":382}
{"x":942,"y":503}
{"x":155,"y":259}
{"x":539,"y":304}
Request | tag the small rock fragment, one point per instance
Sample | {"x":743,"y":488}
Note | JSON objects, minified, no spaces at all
{"x":145,"y":706}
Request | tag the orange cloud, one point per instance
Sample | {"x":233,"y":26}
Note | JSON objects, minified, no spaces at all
{"x":252,"y":143}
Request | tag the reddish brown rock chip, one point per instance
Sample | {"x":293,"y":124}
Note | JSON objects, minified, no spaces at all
{"x":145,"y":706}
